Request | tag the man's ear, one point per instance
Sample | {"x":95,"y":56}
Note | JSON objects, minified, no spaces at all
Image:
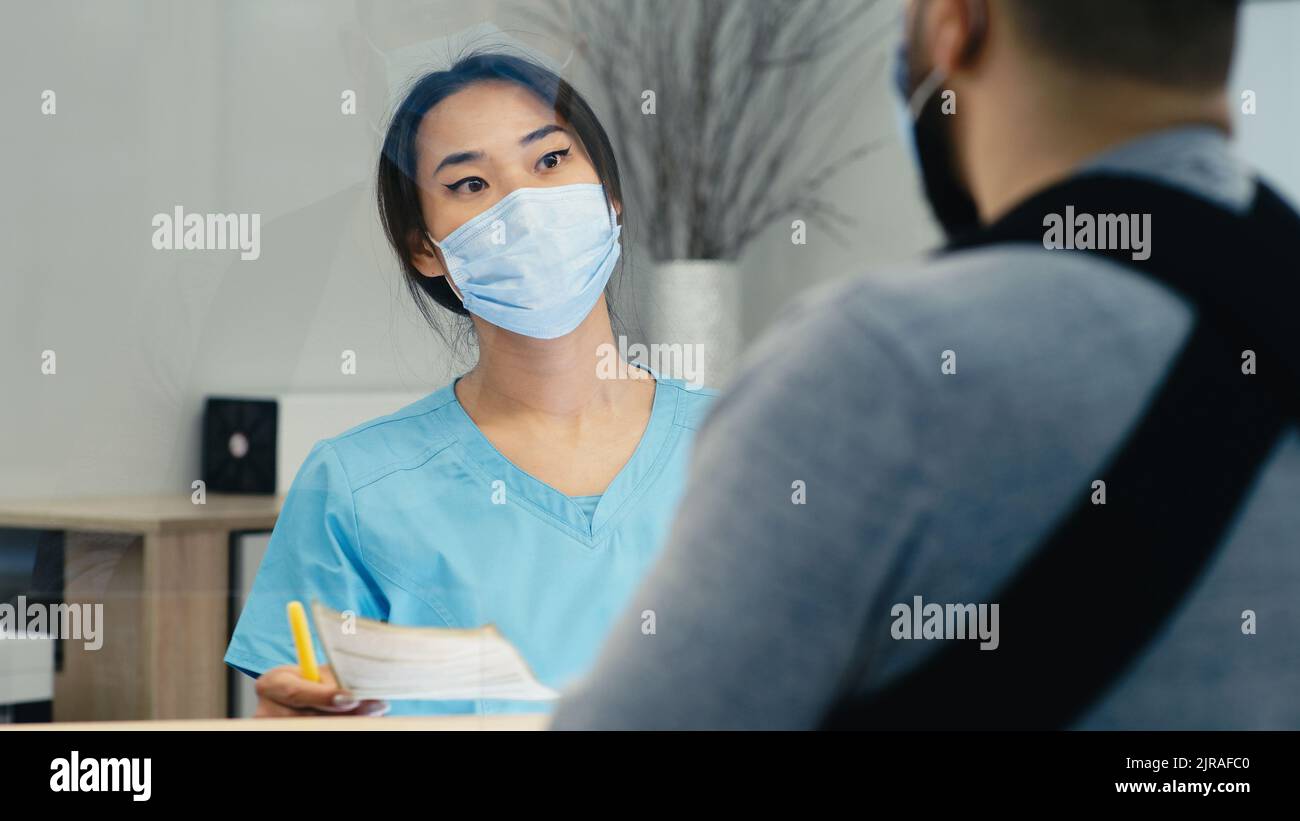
{"x":954,"y":31}
{"x":426,"y":257}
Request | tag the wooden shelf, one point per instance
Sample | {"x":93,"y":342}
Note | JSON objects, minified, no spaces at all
{"x":168,"y":514}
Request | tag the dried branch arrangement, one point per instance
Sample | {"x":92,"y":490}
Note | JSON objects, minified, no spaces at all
{"x":740,"y":90}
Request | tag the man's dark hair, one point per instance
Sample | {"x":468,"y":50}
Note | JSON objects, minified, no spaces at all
{"x":1183,"y":43}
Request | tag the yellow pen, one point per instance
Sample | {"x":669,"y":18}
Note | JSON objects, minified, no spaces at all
{"x":302,"y":641}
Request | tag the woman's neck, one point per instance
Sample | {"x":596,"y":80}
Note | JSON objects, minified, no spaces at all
{"x":546,"y":378}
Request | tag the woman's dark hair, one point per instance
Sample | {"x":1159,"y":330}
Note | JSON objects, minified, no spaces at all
{"x":398,"y":190}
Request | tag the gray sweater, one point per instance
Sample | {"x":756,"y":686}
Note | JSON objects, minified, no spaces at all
{"x":920,"y":483}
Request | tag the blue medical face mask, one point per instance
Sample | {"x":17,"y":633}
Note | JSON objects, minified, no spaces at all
{"x":908,"y":104}
{"x":537,"y":261}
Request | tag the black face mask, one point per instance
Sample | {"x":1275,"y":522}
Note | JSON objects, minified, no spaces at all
{"x":949,"y":199}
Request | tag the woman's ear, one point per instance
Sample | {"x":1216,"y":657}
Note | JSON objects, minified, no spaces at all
{"x":427,"y":259}
{"x":425,"y":256}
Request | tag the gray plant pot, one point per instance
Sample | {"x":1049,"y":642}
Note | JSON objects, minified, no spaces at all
{"x":690,"y":310}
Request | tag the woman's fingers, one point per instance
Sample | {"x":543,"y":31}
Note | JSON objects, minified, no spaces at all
{"x":270,"y":709}
{"x":283,"y":691}
{"x":286,"y":686}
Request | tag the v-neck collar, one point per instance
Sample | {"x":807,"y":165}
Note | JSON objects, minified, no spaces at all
{"x":552,"y":505}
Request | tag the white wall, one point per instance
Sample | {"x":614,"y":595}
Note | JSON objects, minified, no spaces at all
{"x":219,"y":107}
{"x":1268,"y":63}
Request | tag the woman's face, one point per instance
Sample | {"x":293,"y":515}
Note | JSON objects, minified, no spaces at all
{"x":481,"y":143}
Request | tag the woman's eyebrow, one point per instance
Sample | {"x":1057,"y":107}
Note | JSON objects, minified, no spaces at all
{"x":458,"y":158}
{"x":536,"y":134}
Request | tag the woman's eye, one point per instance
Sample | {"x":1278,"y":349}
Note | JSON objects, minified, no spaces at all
{"x":554,"y":158}
{"x":469,"y":185}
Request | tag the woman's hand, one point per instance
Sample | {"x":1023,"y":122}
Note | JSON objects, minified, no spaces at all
{"x":282,"y":691}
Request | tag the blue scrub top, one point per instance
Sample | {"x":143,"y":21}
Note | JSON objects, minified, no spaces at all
{"x":416,"y":519}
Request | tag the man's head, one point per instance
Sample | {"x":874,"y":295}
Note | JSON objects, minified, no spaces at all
{"x":1183,"y":44}
{"x":1035,"y":86}
{"x":1174,"y":43}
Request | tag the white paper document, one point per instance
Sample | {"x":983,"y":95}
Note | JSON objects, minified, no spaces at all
{"x":374,"y":659}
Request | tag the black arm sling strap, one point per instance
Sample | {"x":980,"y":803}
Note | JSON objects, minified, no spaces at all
{"x":1107,"y":578}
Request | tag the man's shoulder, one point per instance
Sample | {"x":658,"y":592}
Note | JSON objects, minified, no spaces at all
{"x":1001,"y":303}
{"x":1012,"y":336}
{"x":988,"y":286}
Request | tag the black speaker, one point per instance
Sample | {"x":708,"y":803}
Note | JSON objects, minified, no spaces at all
{"x":239,"y":448}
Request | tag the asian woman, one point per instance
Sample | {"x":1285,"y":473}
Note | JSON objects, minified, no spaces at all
{"x":531,"y":492}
